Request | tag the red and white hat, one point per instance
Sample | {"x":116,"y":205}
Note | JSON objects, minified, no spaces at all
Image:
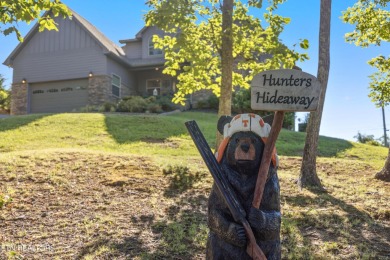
{"x":246,"y":123}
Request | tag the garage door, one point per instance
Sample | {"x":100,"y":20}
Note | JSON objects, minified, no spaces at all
{"x":60,"y":96}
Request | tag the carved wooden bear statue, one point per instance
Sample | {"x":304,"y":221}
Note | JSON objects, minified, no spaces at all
{"x":240,"y":155}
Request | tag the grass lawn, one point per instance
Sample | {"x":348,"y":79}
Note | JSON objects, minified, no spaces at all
{"x":118,"y":186}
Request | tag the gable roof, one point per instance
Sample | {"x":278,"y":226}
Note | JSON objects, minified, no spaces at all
{"x":109,"y":47}
{"x":138,"y":36}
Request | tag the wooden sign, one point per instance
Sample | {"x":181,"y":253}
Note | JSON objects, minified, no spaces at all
{"x":285,"y":90}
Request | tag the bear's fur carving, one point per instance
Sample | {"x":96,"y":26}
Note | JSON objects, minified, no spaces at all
{"x":240,"y":161}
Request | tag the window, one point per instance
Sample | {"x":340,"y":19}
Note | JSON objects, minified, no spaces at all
{"x":153,"y":51}
{"x":52,"y":90}
{"x":80,"y":88}
{"x":163,"y":86}
{"x":38,"y":91}
{"x":116,"y":85}
{"x":66,"y":89}
{"x":166,"y":85}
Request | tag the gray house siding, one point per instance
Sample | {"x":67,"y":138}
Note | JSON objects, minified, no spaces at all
{"x":127,"y":79}
{"x":133,"y":50}
{"x":57,"y":66}
{"x":51,"y":55}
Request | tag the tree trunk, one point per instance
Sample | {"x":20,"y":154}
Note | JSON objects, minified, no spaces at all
{"x":384,"y":174}
{"x":308,"y":176}
{"x":225,"y":100}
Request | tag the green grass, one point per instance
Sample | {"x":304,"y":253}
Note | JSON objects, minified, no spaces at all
{"x":150,"y":135}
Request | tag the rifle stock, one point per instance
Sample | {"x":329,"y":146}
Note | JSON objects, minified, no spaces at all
{"x":223,"y":185}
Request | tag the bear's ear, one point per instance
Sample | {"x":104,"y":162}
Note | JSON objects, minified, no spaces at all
{"x":222,"y":121}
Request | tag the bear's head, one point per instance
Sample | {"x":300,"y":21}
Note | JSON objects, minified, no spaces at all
{"x":243,"y":144}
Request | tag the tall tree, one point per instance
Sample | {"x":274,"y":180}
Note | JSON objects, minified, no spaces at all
{"x":196,"y":43}
{"x":308,"y":175}
{"x":14,"y":11}
{"x":372,"y":27}
{"x":225,"y":101}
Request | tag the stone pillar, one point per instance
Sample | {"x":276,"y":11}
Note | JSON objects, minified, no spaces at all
{"x":19,"y":98}
{"x":99,"y":90}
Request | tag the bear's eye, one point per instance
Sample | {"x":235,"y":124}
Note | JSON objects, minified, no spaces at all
{"x":237,"y":140}
{"x":253,"y":140}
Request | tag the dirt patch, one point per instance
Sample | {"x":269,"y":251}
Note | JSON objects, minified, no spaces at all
{"x":76,"y":205}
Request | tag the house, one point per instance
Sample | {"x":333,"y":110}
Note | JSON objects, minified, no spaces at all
{"x":78,"y":66}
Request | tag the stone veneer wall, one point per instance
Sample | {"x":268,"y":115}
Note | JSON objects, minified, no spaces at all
{"x":19,"y":99}
{"x":99,"y":90}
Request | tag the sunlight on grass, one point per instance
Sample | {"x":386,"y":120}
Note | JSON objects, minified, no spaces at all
{"x":150,"y":135}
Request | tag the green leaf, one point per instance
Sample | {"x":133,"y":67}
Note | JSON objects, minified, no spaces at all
{"x":304,"y":44}
{"x":27,"y":11}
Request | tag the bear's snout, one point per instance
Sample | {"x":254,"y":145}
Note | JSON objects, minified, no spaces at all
{"x":245,"y":147}
{"x":245,"y":151}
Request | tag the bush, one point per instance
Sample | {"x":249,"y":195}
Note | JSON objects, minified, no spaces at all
{"x":133,"y":104}
{"x":88,"y":109}
{"x":5,"y":100}
{"x":241,"y":101}
{"x":212,"y":102}
{"x":108,"y":107}
{"x":152,"y":104}
{"x":366,"y":139}
{"x":165,"y":103}
{"x":154,"y":108}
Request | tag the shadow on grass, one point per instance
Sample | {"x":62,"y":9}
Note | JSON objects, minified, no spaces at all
{"x":147,"y":128}
{"x":15,"y":122}
{"x":335,"y":220}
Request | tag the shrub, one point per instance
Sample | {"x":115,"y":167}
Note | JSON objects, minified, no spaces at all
{"x":166,"y":103}
{"x":108,"y":107}
{"x":151,"y":99}
{"x":201,"y":104}
{"x":88,"y":108}
{"x":5,"y":97}
{"x":212,"y":102}
{"x":241,"y":101}
{"x":366,"y":139}
{"x":154,"y":108}
{"x":182,"y":178}
{"x":133,"y":104}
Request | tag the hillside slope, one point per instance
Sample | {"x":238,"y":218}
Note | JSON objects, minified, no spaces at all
{"x":116,"y":186}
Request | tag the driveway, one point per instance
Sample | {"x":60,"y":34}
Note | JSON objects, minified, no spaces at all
{"x":4,"y":116}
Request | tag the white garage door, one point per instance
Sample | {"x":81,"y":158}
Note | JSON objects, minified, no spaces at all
{"x":60,"y":96}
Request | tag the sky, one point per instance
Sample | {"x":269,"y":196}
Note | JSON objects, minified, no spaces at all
{"x":347,"y":110}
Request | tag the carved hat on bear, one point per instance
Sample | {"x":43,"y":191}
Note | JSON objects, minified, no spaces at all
{"x":243,"y":123}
